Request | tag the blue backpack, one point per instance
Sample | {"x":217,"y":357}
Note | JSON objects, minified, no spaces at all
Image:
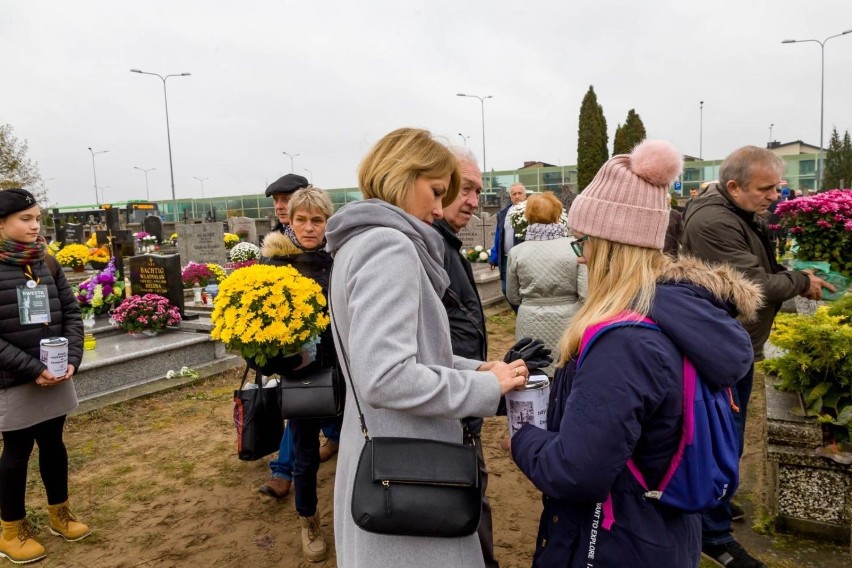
{"x":704,"y":470}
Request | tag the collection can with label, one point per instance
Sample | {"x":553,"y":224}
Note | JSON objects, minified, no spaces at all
{"x":528,"y":406}
{"x":54,"y":354}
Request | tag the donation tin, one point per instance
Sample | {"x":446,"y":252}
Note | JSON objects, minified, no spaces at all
{"x":54,"y":354}
{"x":528,"y":406}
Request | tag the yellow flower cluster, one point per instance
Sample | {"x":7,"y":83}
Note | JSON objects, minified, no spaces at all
{"x":217,"y":270}
{"x":73,"y":255}
{"x":230,"y":240}
{"x":100,"y":254}
{"x":263,"y":311}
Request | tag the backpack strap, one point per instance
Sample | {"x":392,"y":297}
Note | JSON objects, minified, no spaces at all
{"x":624,"y":319}
{"x":52,"y":265}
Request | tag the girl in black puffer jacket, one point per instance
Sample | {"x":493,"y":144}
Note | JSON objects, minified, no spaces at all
{"x":33,"y":401}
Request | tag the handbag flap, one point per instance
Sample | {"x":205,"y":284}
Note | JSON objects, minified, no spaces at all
{"x":310,"y":377}
{"x":431,"y":462}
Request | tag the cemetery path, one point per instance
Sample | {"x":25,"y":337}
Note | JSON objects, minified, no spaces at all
{"x":159,"y":481}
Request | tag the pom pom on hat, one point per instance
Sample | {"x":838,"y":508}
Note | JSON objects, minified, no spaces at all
{"x":628,"y":200}
{"x":656,"y":161}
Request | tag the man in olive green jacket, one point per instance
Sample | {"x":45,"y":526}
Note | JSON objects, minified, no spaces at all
{"x":727,"y":223}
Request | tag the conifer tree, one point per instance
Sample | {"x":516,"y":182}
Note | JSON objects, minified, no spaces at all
{"x":592,"y":140}
{"x":833,"y":166}
{"x":847,"y":161}
{"x":630,"y":135}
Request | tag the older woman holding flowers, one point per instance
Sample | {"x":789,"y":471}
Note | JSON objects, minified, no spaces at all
{"x":393,"y":330}
{"x":301,"y":245}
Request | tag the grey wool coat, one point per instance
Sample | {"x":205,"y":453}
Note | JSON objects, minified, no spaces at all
{"x":386,"y":303}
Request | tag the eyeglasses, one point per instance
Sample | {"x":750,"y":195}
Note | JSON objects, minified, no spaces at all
{"x":577,"y":245}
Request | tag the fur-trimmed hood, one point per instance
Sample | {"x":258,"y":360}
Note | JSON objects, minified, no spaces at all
{"x":696,"y":305}
{"x":724,"y":282}
{"x":278,"y":244}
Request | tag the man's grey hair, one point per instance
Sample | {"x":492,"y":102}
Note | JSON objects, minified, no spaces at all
{"x":464,"y":154}
{"x":741,"y":163}
{"x":518,"y":184}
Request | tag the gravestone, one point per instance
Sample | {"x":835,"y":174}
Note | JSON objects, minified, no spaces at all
{"x":157,"y":274}
{"x":244,"y":227}
{"x":478,"y":232}
{"x":113,"y":223}
{"x":153,"y":225}
{"x":122,"y":242}
{"x":61,"y":234}
{"x":203,"y":242}
{"x":74,"y":234}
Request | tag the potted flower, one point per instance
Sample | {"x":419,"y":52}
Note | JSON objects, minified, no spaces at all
{"x":99,"y":257}
{"x":173,"y":239}
{"x":230,"y":240}
{"x":243,"y":252}
{"x":477,"y":254}
{"x":519,"y":220}
{"x":195,"y":275}
{"x":75,"y":256}
{"x":147,"y":241}
{"x":98,"y":293}
{"x":145,"y":316}
{"x":267,"y":313}
{"x":219,"y":275}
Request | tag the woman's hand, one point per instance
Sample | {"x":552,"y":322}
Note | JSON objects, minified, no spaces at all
{"x":511,"y":376}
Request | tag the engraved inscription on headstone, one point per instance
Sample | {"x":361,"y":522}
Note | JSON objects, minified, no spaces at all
{"x":478,"y":232}
{"x":243,"y":227}
{"x":153,"y":225}
{"x":203,"y":242}
{"x":74,"y":234}
{"x":157,"y":274}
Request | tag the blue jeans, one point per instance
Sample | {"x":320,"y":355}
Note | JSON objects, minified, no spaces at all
{"x":716,"y":523}
{"x":282,"y":466}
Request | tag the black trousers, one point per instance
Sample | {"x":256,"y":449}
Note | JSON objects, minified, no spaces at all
{"x":484,"y":531}
{"x":52,"y":463}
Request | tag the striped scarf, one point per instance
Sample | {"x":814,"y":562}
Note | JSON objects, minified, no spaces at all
{"x":22,"y":254}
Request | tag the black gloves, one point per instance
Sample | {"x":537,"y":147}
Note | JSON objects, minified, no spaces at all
{"x":532,"y":351}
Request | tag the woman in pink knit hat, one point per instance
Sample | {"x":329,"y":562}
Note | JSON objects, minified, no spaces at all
{"x":626,"y":399}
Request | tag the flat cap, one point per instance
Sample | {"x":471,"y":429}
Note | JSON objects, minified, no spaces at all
{"x":287,"y":184}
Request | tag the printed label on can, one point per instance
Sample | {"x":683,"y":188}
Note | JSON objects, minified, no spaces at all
{"x":528,"y":406}
{"x":54,"y":354}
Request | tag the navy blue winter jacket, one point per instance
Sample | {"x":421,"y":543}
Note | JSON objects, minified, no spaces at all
{"x":626,"y":401}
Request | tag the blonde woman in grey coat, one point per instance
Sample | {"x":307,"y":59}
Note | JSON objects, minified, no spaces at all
{"x":386,"y":294}
{"x":543,"y":276}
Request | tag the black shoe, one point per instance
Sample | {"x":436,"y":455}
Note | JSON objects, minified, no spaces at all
{"x":730,"y":555}
{"x":737,"y":513}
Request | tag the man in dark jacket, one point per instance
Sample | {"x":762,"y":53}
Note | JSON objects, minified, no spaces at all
{"x":504,"y":236}
{"x":464,"y":311}
{"x":281,"y":190}
{"x":726,"y":223}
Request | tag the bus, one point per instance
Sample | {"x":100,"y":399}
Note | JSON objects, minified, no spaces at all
{"x":129,"y":212}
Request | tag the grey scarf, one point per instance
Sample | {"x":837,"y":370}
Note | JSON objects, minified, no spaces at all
{"x":361,"y":216}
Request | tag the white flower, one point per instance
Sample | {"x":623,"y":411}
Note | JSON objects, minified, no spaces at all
{"x":478,"y":248}
{"x":483,"y":256}
{"x":244,"y":251}
{"x":170,"y":374}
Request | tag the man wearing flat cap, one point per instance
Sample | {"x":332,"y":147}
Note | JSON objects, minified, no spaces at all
{"x":281,"y":191}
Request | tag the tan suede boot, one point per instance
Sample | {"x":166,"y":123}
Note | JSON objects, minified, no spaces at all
{"x":313,"y":542}
{"x":63,"y":523}
{"x":17,"y":543}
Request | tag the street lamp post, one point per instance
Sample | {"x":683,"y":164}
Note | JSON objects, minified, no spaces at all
{"x":292,"y":169}
{"x":310,"y":174}
{"x":103,"y":189}
{"x":168,"y":130}
{"x":95,"y":172}
{"x":770,"y":133}
{"x":818,"y":182}
{"x":482,"y":104}
{"x":147,"y":193}
{"x":701,"y":130}
{"x":202,"y":180}
{"x":464,"y":138}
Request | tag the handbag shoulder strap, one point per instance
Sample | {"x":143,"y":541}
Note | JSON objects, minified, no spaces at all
{"x":345,"y":359}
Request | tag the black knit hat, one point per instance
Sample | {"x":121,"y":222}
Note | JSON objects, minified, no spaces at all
{"x":14,"y":200}
{"x":287,"y":184}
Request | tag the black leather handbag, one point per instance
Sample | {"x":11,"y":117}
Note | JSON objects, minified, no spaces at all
{"x":411,"y":486}
{"x":312,"y":393}
{"x":257,"y":418}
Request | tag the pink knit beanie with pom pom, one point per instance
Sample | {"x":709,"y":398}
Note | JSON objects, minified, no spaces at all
{"x":628,"y":201}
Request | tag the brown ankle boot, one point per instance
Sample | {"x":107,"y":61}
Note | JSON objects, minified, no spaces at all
{"x":313,"y":542}
{"x":17,"y":543}
{"x":276,"y":487}
{"x":63,"y":523}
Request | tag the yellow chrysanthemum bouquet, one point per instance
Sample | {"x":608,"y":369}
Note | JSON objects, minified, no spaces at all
{"x":265,"y":312}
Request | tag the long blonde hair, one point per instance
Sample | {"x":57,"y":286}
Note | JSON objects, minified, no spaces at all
{"x":621,"y":277}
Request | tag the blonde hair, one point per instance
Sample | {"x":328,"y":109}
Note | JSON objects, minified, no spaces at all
{"x":543,"y":208}
{"x":621,"y":277}
{"x":389,"y":169}
{"x":311,"y":199}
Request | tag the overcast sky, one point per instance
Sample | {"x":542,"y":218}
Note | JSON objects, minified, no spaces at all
{"x":326,"y":79}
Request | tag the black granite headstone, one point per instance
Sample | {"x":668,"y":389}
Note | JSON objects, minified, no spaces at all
{"x":60,"y":234}
{"x":122,"y":242}
{"x":157,"y":274}
{"x":153,"y":225}
{"x":113,"y":222}
{"x":74,"y":234}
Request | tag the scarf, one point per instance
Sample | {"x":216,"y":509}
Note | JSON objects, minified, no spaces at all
{"x":291,"y":234}
{"x":545,"y":231}
{"x":361,"y":216}
{"x":22,"y":254}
